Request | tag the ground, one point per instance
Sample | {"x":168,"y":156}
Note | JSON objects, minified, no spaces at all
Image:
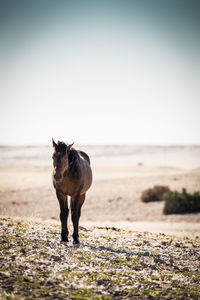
{"x":129,"y":249}
{"x":110,"y":263}
{"x":27,"y":191}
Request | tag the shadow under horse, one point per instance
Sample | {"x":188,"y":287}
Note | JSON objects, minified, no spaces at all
{"x":72,"y":176}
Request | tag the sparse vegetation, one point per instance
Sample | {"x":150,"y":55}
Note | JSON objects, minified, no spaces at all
{"x":128,"y":265}
{"x":154,"y":194}
{"x":183,"y":202}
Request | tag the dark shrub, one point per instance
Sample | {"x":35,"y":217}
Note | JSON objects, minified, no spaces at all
{"x":154,"y":194}
{"x":181,"y":202}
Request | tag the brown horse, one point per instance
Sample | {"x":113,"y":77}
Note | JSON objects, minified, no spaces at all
{"x":72,"y":176}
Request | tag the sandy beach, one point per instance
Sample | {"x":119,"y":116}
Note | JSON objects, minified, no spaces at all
{"x":118,"y":180}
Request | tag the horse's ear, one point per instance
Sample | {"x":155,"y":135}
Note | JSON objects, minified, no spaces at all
{"x":53,"y":143}
{"x":69,"y":146}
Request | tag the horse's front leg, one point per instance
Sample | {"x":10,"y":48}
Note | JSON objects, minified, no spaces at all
{"x":64,"y":212}
{"x":76,"y":204}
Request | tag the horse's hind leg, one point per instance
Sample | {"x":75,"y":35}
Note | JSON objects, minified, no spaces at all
{"x":64,"y":212}
{"x":76,"y":205}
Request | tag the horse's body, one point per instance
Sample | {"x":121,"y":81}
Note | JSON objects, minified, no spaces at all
{"x":72,"y":176}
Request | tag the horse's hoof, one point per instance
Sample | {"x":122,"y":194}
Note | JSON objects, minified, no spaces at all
{"x":64,"y":239}
{"x":76,"y":242}
{"x":66,"y":244}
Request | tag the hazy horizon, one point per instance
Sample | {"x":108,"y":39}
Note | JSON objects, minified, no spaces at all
{"x":101,"y":145}
{"x":100,"y":72}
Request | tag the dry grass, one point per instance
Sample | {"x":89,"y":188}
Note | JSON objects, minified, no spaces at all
{"x":154,"y":194}
{"x":110,"y":263}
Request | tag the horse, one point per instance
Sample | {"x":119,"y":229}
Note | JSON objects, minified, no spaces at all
{"x":72,"y":176}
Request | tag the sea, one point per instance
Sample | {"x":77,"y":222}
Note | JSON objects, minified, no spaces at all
{"x":180,"y":156}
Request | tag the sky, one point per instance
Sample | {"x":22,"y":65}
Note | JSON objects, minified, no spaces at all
{"x":100,"y":72}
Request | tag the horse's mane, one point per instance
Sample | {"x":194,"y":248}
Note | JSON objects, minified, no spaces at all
{"x":61,"y":147}
{"x":73,"y":158}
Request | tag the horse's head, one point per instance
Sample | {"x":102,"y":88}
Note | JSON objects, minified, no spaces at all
{"x":60,"y":158}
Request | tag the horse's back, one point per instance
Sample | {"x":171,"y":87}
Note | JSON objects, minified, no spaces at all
{"x":84,"y":155}
{"x":87,"y":171}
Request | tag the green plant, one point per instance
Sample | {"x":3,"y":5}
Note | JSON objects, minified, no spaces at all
{"x":183,"y":202}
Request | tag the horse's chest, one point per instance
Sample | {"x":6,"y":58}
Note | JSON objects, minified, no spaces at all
{"x":67,"y":187}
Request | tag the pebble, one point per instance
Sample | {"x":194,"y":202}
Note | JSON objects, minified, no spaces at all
{"x":158,"y":260}
{"x":55,"y":258}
